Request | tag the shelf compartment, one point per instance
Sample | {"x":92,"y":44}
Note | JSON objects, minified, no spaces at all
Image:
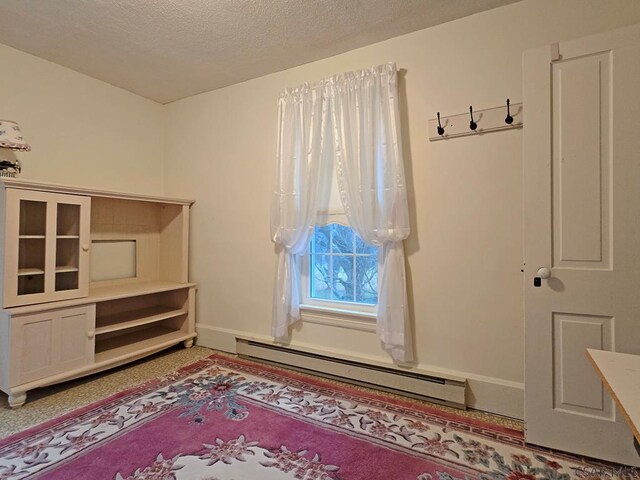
{"x":135,"y":343}
{"x":67,"y":251}
{"x":30,"y":284}
{"x":68,"y":219}
{"x":136,"y":318}
{"x":31,"y":253}
{"x":33,"y":218}
{"x":66,"y":278}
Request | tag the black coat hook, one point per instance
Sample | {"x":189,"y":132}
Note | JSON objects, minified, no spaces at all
{"x":509,"y":119}
{"x":440,"y":129}
{"x":472,"y":125}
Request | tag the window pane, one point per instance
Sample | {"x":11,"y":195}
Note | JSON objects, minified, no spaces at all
{"x":341,"y":239}
{"x":321,"y":277}
{"x":362,"y":247}
{"x":343,"y":278}
{"x":320,"y":239}
{"x":367,"y":279}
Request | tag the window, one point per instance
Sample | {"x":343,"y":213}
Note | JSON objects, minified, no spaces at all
{"x":341,"y":270}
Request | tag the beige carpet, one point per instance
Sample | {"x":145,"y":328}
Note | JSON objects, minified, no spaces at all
{"x":49,"y":402}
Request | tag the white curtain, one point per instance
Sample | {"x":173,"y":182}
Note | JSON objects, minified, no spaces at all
{"x":365,"y":128}
{"x":368,"y":153}
{"x":303,"y":116}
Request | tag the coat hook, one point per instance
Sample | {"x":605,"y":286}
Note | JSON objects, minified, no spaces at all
{"x":440,"y":129}
{"x":472,"y":125}
{"x":509,"y":119}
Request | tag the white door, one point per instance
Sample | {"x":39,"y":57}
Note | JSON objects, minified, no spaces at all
{"x":582,"y":221}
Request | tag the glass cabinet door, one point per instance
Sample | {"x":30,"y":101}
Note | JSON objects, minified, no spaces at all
{"x":31,"y":246}
{"x":67,"y":246}
{"x":46,"y":247}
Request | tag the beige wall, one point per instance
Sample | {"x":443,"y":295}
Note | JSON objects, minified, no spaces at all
{"x":465,"y":250}
{"x":82,"y":131}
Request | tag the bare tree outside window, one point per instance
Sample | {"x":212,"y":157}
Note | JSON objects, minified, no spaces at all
{"x":343,"y":268}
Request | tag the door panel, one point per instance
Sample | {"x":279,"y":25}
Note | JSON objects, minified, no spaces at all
{"x":582,"y":205}
{"x":577,"y":387}
{"x":581,"y":161}
{"x":51,"y":342}
{"x":76,"y":339}
{"x":35,"y":342}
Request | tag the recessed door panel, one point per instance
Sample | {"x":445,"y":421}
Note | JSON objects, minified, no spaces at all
{"x":577,"y":387}
{"x":581,"y":162}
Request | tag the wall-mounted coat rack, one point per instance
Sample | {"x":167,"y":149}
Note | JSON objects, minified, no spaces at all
{"x":476,"y":122}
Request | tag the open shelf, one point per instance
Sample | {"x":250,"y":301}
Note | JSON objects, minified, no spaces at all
{"x":134,"y":343}
{"x":136,"y":318}
{"x":115,"y":292}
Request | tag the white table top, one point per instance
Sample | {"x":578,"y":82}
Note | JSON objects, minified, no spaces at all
{"x":620,"y":372}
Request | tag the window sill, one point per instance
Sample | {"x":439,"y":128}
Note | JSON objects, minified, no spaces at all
{"x":337,"y":317}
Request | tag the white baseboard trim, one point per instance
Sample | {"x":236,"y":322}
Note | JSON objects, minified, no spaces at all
{"x":489,"y":394}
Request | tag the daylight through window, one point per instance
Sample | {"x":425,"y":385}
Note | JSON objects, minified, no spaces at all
{"x":342,"y":267}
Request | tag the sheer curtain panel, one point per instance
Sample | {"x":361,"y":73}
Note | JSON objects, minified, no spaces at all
{"x":303,"y":123}
{"x":370,"y":171}
{"x":358,"y":113}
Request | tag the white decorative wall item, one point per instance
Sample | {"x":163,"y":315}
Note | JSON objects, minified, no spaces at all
{"x":476,"y":122}
{"x":11,"y":136}
{"x":10,"y":139}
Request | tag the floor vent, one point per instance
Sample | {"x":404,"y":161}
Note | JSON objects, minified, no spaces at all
{"x":395,"y":380}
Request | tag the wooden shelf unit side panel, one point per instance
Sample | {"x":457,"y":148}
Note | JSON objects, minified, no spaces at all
{"x":3,"y":266}
{"x":174,"y":243}
{"x":5,"y":351}
{"x":190,"y":324}
{"x":115,"y":219}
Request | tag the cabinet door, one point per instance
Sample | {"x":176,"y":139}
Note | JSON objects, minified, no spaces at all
{"x":46,"y":247}
{"x":48,"y":343}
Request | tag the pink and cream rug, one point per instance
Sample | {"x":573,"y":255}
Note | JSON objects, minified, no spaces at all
{"x":228,"y":419}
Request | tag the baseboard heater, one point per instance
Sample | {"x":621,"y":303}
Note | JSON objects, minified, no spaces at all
{"x":413,"y":384}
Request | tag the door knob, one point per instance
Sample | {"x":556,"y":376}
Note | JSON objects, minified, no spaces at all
{"x":542,"y":273}
{"x":85,"y":247}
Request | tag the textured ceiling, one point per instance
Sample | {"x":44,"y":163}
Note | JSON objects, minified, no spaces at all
{"x":169,"y":49}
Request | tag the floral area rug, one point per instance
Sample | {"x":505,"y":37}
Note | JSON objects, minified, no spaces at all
{"x":228,"y":419}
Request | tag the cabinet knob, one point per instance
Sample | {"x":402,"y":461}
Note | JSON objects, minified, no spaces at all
{"x":91,"y":334}
{"x":85,"y":247}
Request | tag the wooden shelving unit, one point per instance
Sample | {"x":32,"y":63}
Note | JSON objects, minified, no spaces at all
{"x":136,"y":318}
{"x":57,"y":323}
{"x":148,"y":339}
